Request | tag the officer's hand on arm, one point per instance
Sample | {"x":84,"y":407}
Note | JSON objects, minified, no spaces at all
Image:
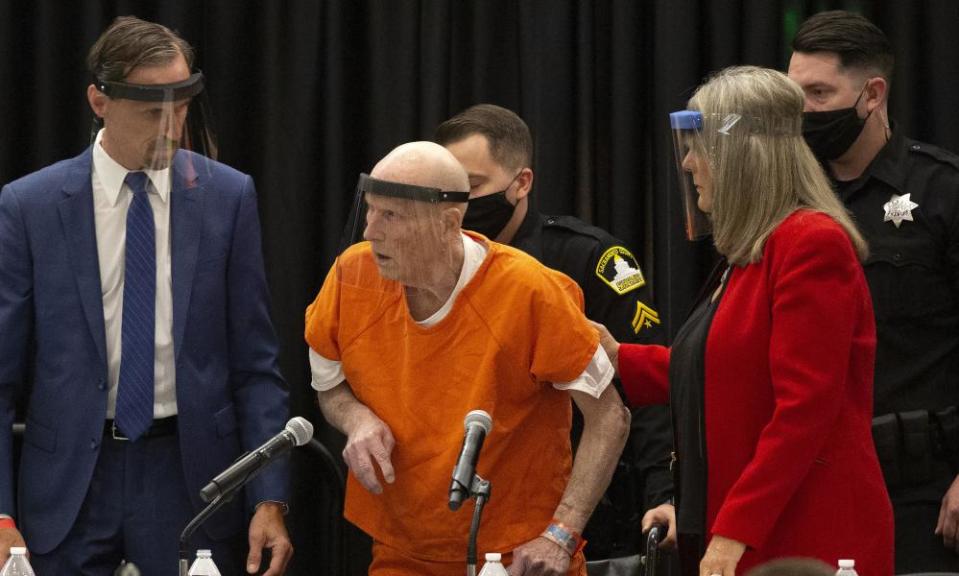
{"x":369,"y":441}
{"x":9,"y":538}
{"x":267,"y":530}
{"x":948,"y":525}
{"x":609,"y":344}
{"x":665,"y":515}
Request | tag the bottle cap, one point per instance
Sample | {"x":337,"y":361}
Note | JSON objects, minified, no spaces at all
{"x":18,"y":550}
{"x":204,"y":553}
{"x":847,"y":563}
{"x":493,"y":556}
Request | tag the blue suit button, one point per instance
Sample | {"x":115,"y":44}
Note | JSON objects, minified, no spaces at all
{"x":102,"y":384}
{"x":93,"y":444}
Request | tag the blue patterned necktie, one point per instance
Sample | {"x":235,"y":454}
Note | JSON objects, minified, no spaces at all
{"x":134,"y":409}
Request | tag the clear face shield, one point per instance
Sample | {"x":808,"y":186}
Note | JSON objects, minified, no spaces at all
{"x":692,"y":170}
{"x":734,"y":145}
{"x":157,"y":119}
{"x":407,"y":233}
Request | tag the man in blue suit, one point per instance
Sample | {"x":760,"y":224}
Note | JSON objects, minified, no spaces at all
{"x":134,"y":312}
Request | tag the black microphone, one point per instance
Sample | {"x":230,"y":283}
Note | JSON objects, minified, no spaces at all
{"x":298,"y":432}
{"x":477,"y":424}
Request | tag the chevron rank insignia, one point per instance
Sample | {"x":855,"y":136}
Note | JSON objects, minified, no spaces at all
{"x":645,"y":317}
{"x":619,"y":270}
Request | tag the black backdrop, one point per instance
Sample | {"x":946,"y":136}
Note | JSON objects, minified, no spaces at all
{"x":306,"y":94}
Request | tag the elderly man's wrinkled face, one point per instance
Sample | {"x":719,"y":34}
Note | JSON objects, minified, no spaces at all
{"x":405,"y":236}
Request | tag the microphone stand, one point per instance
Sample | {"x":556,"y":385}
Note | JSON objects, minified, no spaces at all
{"x":197,"y":521}
{"x":480,"y":490}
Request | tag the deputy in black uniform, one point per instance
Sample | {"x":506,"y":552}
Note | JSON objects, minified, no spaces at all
{"x":495,"y":147}
{"x":905,"y":197}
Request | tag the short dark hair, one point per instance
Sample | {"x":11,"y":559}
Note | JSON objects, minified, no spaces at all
{"x":510,"y":141}
{"x":130,"y":42}
{"x":859,"y":43}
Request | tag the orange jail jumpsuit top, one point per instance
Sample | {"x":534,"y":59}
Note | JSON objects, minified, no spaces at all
{"x":515,"y":328}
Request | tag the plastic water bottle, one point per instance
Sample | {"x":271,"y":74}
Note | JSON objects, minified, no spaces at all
{"x":17,"y":564}
{"x":493,"y":567}
{"x":203,"y":565}
{"x":847,"y":568}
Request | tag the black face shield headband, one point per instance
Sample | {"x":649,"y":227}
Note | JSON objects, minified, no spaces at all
{"x":370,"y":185}
{"x":356,"y":221}
{"x":153,"y":92}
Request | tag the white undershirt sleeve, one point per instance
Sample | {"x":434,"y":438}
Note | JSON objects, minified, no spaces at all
{"x":594,"y":380}
{"x":327,"y":374}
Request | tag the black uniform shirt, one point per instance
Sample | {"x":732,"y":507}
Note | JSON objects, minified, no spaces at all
{"x":617,"y":296}
{"x":912,"y":270}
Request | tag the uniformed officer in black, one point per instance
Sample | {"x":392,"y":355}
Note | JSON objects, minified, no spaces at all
{"x":905,"y":198}
{"x":495,"y":147}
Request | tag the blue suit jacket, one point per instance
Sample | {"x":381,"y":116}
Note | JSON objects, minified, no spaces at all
{"x":230,"y":395}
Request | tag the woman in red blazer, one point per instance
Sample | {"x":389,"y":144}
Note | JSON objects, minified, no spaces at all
{"x":770,"y":378}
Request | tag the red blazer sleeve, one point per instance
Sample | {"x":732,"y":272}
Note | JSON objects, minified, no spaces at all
{"x":817,"y":305}
{"x":644,"y":373}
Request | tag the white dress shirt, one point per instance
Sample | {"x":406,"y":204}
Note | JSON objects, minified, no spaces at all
{"x":111,"y":200}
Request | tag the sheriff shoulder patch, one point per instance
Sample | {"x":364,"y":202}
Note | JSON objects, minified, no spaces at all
{"x":620,"y":270}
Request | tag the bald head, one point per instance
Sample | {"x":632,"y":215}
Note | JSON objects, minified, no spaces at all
{"x":423,"y":164}
{"x":416,"y":242}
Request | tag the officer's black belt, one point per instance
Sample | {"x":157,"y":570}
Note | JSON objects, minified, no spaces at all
{"x":909,"y":443}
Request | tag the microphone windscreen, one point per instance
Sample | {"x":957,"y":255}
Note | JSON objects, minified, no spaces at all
{"x":480,"y":417}
{"x":301,"y":429}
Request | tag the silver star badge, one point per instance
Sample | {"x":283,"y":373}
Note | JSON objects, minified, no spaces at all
{"x":899,"y":208}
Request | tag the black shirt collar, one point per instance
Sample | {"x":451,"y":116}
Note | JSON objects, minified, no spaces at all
{"x":527,"y":230}
{"x":888,"y":166}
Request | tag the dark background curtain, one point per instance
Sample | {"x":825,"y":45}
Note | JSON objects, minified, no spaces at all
{"x":307,"y":94}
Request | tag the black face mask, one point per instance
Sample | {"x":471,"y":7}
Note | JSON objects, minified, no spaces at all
{"x":489,"y":214}
{"x":831,"y":133}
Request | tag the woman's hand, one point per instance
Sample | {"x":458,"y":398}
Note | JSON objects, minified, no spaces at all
{"x":722,"y":556}
{"x":609,"y":344}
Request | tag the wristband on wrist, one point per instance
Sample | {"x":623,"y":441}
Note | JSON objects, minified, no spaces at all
{"x":564,"y":536}
{"x":7,"y":522}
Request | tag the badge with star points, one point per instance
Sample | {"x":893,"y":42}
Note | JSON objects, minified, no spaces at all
{"x":899,"y":208}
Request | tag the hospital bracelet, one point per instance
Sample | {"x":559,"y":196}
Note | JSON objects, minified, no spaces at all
{"x":7,"y":522}
{"x":564,"y":536}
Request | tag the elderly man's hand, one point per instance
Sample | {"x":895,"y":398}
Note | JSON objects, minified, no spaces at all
{"x":722,"y":556}
{"x":664,"y":514}
{"x":9,"y":538}
{"x":369,"y":443}
{"x":267,"y":530}
{"x":539,"y":557}
{"x":948,"y":525}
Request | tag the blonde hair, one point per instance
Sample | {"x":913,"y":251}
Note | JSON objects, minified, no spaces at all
{"x":762,"y":169}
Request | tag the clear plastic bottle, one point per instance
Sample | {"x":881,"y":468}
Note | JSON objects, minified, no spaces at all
{"x":493,"y":567}
{"x":203,"y":565}
{"x":17,"y":564}
{"x":847,"y":567}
